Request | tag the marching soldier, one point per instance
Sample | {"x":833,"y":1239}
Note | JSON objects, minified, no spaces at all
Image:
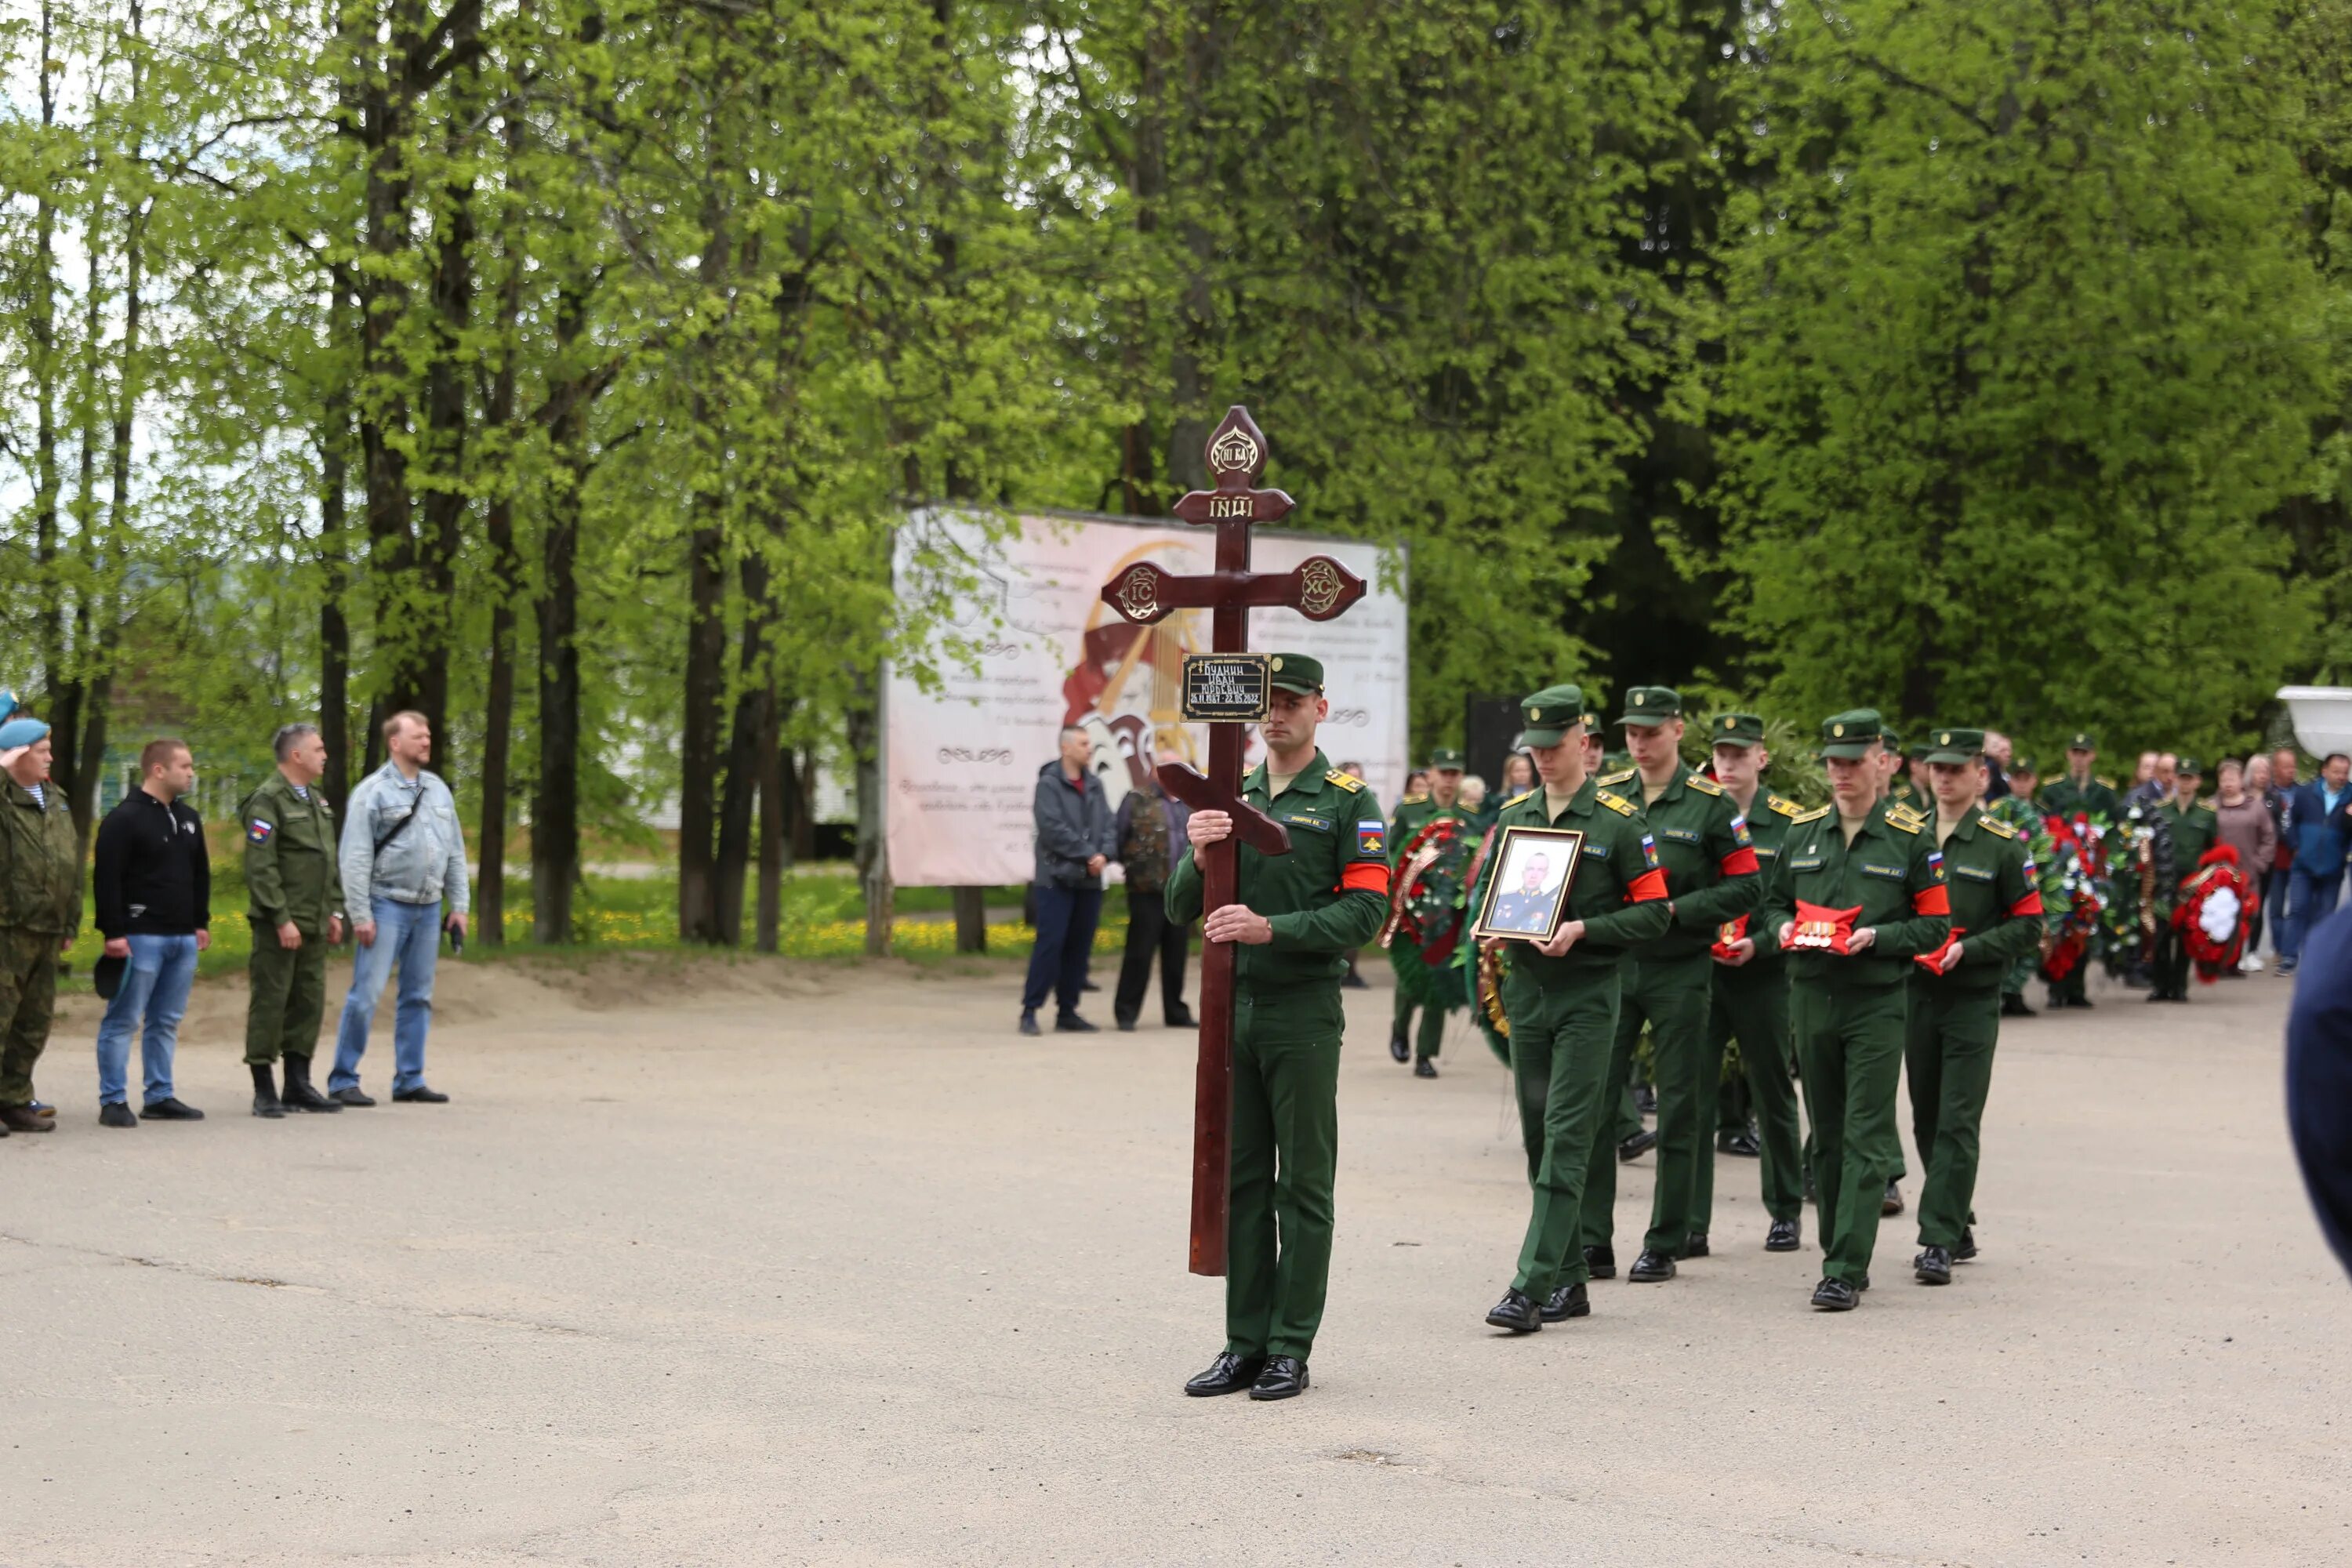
{"x":1751,"y":1000}
{"x":1296,"y":916}
{"x":1419,"y":991}
{"x":296,"y":888}
{"x":1711,"y":876}
{"x":1561,"y":997}
{"x":1858,"y":893}
{"x":2080,"y":793}
{"x":2194,"y":830}
{"x":1955,"y":1007}
{"x":2018,"y":810}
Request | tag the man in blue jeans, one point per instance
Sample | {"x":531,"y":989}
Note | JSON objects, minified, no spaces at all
{"x":2319,"y":825}
{"x":152,"y":883}
{"x":402,"y":853}
{"x":1076,"y":840}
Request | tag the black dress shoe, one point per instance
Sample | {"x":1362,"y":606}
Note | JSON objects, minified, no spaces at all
{"x":1836,"y":1296}
{"x":1086,"y":984}
{"x":1425,"y":1067}
{"x":1400,"y":1048}
{"x":1071,"y":1023}
{"x":171,"y":1107}
{"x":2078,"y":1002}
{"x":1741,"y":1141}
{"x":1892,"y":1203}
{"x":1933,"y":1265}
{"x":1966,"y":1250}
{"x":1783,"y":1237}
{"x":354,"y":1095}
{"x":1028,"y":1026}
{"x":2012,"y":1005}
{"x":1653,"y":1267}
{"x":1285,"y":1377}
{"x":1601,"y":1262}
{"x":420,"y":1095}
{"x":1636,"y":1146}
{"x":24,"y":1119}
{"x":1517,"y":1312}
{"x":1568,"y":1302}
{"x":1229,"y":1374}
{"x":1125,"y":1025}
{"x":1645,"y":1098}
{"x":1182,"y":1019}
{"x":114,"y":1113}
{"x":1695,"y":1245}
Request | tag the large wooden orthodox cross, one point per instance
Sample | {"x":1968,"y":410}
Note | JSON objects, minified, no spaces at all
{"x":1319,"y":589}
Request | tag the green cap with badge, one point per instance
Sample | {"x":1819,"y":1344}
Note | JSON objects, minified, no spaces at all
{"x":2188,"y":768}
{"x":2083,"y":741}
{"x":1651,"y":706}
{"x":1445,"y":759}
{"x":1851,"y":734}
{"x":1736,"y":729}
{"x":2022,"y":762}
{"x":1889,"y":737}
{"x":1295,"y":672}
{"x":1550,"y":714}
{"x":1954,"y":746}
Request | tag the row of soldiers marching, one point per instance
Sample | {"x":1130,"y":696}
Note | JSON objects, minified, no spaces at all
{"x":1870,"y":935}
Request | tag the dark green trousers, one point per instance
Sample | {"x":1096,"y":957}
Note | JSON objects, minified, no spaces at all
{"x":1562,"y":1045}
{"x":1426,"y":1041}
{"x":1948,"y":1055}
{"x":1286,"y":1148}
{"x":1672,"y":996}
{"x":2070,"y":989}
{"x":28,"y":999}
{"x":1751,"y":1006}
{"x":1850,"y":1049}
{"x":285,"y":997}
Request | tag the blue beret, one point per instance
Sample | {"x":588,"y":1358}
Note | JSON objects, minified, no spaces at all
{"x":18,"y":733}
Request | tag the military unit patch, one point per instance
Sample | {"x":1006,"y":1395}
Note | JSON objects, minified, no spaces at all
{"x":259,"y":831}
{"x":1371,"y":838}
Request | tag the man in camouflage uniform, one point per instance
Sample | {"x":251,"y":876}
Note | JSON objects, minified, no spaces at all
{"x":40,"y":911}
{"x":294,"y":886}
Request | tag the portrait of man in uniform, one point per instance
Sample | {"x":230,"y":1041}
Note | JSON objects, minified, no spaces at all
{"x":1530,"y":885}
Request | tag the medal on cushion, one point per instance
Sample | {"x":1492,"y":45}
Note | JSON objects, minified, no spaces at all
{"x":1726,"y":933}
{"x":1821,"y":929}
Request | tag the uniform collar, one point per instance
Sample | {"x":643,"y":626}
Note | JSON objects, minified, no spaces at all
{"x":1581,"y":803}
{"x":1967,"y":826}
{"x":1260,"y":779}
{"x":1673,"y":785}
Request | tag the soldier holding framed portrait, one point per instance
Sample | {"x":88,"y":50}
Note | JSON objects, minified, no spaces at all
{"x":1592,"y":898}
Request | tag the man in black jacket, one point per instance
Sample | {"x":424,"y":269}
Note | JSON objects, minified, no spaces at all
{"x":153,"y":895}
{"x":1074,"y":841}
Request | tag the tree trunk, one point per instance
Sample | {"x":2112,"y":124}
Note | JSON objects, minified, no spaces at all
{"x":773,"y":775}
{"x":47,"y":481}
{"x":443,"y":507}
{"x":972,"y":920}
{"x":334,"y":562}
{"x":378,"y":113}
{"x":743,"y":756}
{"x":506,"y":583}
{"x":873,"y":850}
{"x":556,"y":805}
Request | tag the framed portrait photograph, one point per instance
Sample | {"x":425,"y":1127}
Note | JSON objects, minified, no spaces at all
{"x":1528,"y":895}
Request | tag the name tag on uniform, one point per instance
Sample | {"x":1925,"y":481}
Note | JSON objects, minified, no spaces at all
{"x":1806,"y":863}
{"x":1597,"y":851}
{"x":1300,"y":819}
{"x":1679,"y":835}
{"x":1973,"y":873}
{"x":1892,"y":873}
{"x":1764,"y":854}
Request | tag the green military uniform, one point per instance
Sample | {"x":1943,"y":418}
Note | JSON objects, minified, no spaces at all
{"x":1955,"y":1017}
{"x":1711,"y":876}
{"x":2019,"y":813}
{"x":2194,"y":831}
{"x":1751,"y":1003}
{"x":292,"y":873}
{"x":1326,"y":895}
{"x":1563,"y":1011}
{"x":1431,"y":992}
{"x":1900,"y":790}
{"x":40,"y":911}
{"x":2094,"y":798}
{"x":1846,"y":1012}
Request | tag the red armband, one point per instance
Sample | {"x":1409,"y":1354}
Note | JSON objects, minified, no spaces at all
{"x":1364,"y":876}
{"x":1650,"y":884}
{"x":1740,"y":862}
{"x":2029,"y":905}
{"x":1935,"y":901}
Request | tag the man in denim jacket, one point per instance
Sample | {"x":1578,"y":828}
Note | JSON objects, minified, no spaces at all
{"x":402,"y":855}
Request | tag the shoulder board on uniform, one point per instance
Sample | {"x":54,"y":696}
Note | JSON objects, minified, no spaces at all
{"x":1347,"y":781}
{"x":1516,"y":798}
{"x":1616,"y":802}
{"x":1813,"y":815}
{"x":1704,"y":785}
{"x":1995,"y":825}
{"x":1623,"y":777}
{"x":1906,"y":821}
{"x":1785,"y":806}
{"x":1414,"y":800}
